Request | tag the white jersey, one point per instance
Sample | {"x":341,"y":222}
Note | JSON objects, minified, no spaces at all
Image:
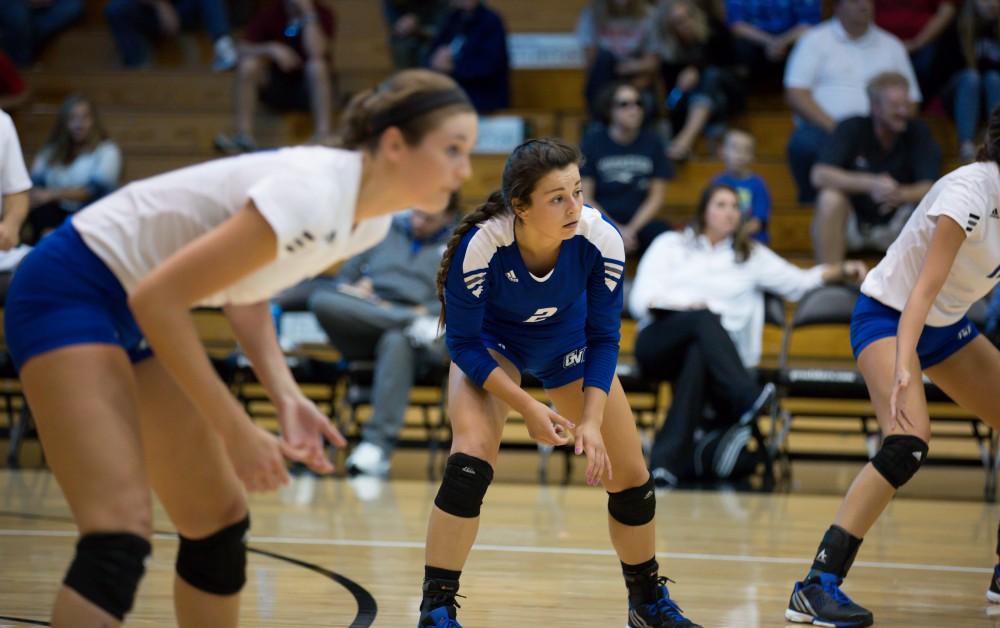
{"x":306,"y":194}
{"x":970,"y":196}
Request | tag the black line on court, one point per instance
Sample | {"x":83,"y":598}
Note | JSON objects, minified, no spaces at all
{"x":21,"y":620}
{"x":367,"y":607}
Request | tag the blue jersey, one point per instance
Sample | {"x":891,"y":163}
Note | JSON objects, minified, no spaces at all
{"x":490,"y":294}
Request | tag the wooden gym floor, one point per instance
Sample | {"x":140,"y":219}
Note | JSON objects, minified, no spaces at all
{"x":338,"y":553}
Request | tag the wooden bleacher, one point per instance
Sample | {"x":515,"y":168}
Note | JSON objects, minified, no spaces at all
{"x":166,"y":117}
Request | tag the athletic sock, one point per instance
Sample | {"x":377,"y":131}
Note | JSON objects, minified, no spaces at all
{"x":440,"y":587}
{"x":835,"y":554}
{"x":641,"y":581}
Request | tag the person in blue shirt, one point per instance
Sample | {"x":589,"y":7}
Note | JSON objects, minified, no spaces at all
{"x":531,"y":281}
{"x":737,"y":151}
{"x":471,"y":47}
{"x":625,"y":169}
{"x":765,"y":31}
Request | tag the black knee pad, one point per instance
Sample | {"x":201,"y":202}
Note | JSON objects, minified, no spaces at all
{"x":107,"y":568}
{"x":634,"y":506}
{"x":217,"y":563}
{"x":900,"y":458}
{"x":464,"y":485}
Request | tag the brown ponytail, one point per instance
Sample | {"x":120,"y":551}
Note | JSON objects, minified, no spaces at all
{"x":526,"y":165}
{"x":990,"y":148}
{"x":358,"y":124}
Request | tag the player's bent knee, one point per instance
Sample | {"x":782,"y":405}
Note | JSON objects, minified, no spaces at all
{"x":464,"y":485}
{"x":217,"y":563}
{"x":900,"y":458}
{"x":634,"y":506}
{"x":107,"y":569}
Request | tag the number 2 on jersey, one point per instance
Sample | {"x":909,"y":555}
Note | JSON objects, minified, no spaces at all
{"x":541,"y":314}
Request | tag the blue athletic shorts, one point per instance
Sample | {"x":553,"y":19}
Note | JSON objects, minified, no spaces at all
{"x":62,"y":294}
{"x":554,"y":363}
{"x":873,"y":321}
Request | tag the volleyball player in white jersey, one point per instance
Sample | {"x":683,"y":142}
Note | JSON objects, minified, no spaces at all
{"x":120,"y":410}
{"x":911,"y":319}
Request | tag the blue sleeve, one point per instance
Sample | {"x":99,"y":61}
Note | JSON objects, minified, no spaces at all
{"x":604,"y":320}
{"x":807,"y":11}
{"x":484,"y":52}
{"x":465,"y":299}
{"x":761,"y":209}
{"x":734,"y":12}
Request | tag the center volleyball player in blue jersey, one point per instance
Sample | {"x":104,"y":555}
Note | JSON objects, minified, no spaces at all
{"x":531,"y":281}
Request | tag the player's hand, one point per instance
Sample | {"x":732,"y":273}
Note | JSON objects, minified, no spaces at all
{"x":9,"y":237}
{"x":897,"y":404}
{"x":589,"y":441}
{"x":284,"y":57}
{"x":303,"y":428}
{"x":545,"y":425}
{"x":256,"y":455}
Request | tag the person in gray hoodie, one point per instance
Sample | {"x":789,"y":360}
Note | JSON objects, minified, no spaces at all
{"x":373,"y":310}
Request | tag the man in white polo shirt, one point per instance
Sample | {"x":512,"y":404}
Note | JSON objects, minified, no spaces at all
{"x":826,"y":77}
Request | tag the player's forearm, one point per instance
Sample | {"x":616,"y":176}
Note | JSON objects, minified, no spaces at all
{"x":171,"y":333}
{"x":594,"y":400}
{"x":254,"y":330}
{"x":501,"y":386}
{"x":15,"y":210}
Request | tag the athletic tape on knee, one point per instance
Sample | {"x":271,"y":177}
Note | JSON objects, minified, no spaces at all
{"x":634,"y":506}
{"x":464,"y":485}
{"x":107,"y":569}
{"x":218,"y":563}
{"x":900,"y":458}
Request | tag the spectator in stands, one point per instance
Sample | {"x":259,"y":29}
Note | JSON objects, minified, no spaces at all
{"x":370,"y":314}
{"x":919,"y":24}
{"x":872,"y":173}
{"x":292,"y":40}
{"x":826,"y":77}
{"x":78,"y":165}
{"x":697,"y":64}
{"x":625,"y":168}
{"x":471,"y":47}
{"x":135,"y":22}
{"x":978,"y":83}
{"x":765,"y":30}
{"x":618,"y":44}
{"x":699,"y":295}
{"x":26,"y":25}
{"x":737,"y":151}
{"x":13,"y":91}
{"x":14,"y":185}
{"x":412,"y":25}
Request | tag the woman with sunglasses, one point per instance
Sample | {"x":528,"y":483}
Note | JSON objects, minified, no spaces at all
{"x":625,"y":168}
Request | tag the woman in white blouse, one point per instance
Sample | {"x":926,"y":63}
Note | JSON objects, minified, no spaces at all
{"x":699,"y":295}
{"x":78,"y":165}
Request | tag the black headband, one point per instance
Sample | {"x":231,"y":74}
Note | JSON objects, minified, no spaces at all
{"x":416,"y":106}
